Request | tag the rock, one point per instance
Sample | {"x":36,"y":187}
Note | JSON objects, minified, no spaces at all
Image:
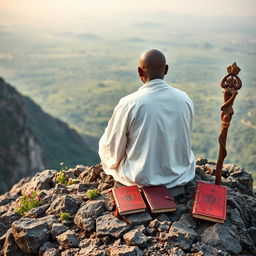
{"x":95,"y":242}
{"x":8,"y":218}
{"x":182,"y":236}
{"x":38,"y":211}
{"x":85,"y":217}
{"x":18,"y":187}
{"x":205,"y":249}
{"x":87,"y":186}
{"x":30,"y":234}
{"x":50,"y":220}
{"x":187,"y":220}
{"x":154,"y":223}
{"x":7,"y":198}
{"x":252,"y":233}
{"x":51,"y":252}
{"x":201,"y":161}
{"x":10,"y":247}
{"x":92,"y":252}
{"x":104,"y":186}
{"x":163,"y":217}
{"x":3,"y":228}
{"x":174,"y":216}
{"x":138,"y":218}
{"x":60,"y":189}
{"x":79,"y":169}
{"x":90,"y":174}
{"x":63,"y":203}
{"x":135,"y":237}
{"x":46,"y":246}
{"x":70,"y":252}
{"x":42,"y":180}
{"x":223,"y":236}
{"x":109,"y":225}
{"x":176,"y":252}
{"x":68,"y":239}
{"x":57,"y":229}
{"x":125,"y":250}
{"x":177,"y":191}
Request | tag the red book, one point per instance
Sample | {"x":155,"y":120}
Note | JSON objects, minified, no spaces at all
{"x":159,"y":199}
{"x":210,"y":202}
{"x":128,"y":200}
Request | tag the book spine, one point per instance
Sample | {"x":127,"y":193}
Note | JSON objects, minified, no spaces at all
{"x":196,"y":198}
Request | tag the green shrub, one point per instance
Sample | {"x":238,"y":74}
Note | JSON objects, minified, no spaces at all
{"x":64,"y":216}
{"x":93,"y":193}
{"x":27,"y":202}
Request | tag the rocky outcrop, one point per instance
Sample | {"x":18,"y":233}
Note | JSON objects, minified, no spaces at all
{"x":92,"y":229}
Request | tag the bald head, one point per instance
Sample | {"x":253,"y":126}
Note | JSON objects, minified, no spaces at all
{"x":152,"y":65}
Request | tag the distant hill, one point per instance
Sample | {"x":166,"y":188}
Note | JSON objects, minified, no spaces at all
{"x":32,"y":140}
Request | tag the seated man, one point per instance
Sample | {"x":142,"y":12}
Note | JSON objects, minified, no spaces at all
{"x":147,"y":140}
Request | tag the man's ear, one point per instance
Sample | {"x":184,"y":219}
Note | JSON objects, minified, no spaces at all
{"x":140,"y":71}
{"x":166,"y":69}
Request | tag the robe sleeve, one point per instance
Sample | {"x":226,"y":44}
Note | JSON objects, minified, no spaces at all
{"x":112,"y":145}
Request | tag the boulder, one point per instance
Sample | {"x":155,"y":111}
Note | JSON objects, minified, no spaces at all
{"x":68,"y":239}
{"x":30,"y":234}
{"x":109,"y":225}
{"x":125,"y":250}
{"x":57,"y":229}
{"x":62,"y":204}
{"x":135,"y":237}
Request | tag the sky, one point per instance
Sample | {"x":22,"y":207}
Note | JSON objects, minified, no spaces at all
{"x":51,"y":12}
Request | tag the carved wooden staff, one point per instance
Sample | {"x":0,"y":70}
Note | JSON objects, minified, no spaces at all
{"x":231,"y":83}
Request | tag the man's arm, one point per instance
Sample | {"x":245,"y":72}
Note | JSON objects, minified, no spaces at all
{"x":112,"y":144}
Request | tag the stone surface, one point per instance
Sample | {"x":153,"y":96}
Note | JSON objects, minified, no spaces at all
{"x":138,"y":218}
{"x":57,"y":229}
{"x":68,"y":239}
{"x":85,"y":217}
{"x":46,"y":246}
{"x":63,"y":203}
{"x":125,"y":250}
{"x":182,"y":236}
{"x":30,"y":234}
{"x":109,"y":225}
{"x":51,"y":252}
{"x":135,"y":237}
{"x":223,"y":236}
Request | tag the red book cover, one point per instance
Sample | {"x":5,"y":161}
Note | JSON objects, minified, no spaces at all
{"x":210,"y":202}
{"x":128,"y":200}
{"x":159,"y":199}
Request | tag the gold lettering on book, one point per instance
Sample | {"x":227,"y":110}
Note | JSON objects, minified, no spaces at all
{"x":128,"y":198}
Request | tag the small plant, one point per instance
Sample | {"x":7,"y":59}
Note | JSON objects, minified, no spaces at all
{"x":93,"y":193}
{"x":64,"y":216}
{"x":72,"y":181}
{"x":61,"y":177}
{"x":28,"y":201}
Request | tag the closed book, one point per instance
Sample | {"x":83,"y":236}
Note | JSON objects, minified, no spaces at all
{"x":128,"y":200}
{"x":210,"y":202}
{"x":159,"y":199}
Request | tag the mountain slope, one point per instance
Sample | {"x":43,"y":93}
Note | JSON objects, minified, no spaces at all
{"x":31,"y":140}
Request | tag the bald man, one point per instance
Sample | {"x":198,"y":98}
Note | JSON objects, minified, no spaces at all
{"x":147,"y":140}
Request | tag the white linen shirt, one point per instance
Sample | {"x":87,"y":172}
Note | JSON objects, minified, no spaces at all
{"x":147,"y":140}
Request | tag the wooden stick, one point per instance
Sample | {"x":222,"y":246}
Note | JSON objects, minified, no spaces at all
{"x":231,"y":83}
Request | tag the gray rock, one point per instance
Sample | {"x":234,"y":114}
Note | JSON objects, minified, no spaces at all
{"x":174,"y":216}
{"x":182,"y":236}
{"x":70,"y":252}
{"x":10,"y":247}
{"x":252,"y":233}
{"x":46,"y":246}
{"x":49,"y":219}
{"x":164,"y":226}
{"x":223,"y":236}
{"x":135,"y":237}
{"x":7,"y":198}
{"x":163,"y":217}
{"x":63,"y":203}
{"x":138,"y":218}
{"x":177,"y":191}
{"x":57,"y":229}
{"x":3,"y":228}
{"x":60,"y":189}
{"x":79,"y":169}
{"x":125,"y":250}
{"x":176,"y":252}
{"x":201,"y":161}
{"x":38,"y":211}
{"x":87,"y":242}
{"x":92,"y":252}
{"x":85,"y":217}
{"x":8,"y":218}
{"x":87,"y":186}
{"x":110,"y":225}
{"x":51,"y":252}
{"x":30,"y":234}
{"x":42,"y":180}
{"x":68,"y":239}
{"x":205,"y":249}
{"x":154,"y":223}
{"x":187,"y":220}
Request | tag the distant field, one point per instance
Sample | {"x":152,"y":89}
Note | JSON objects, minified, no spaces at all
{"x":81,"y":78}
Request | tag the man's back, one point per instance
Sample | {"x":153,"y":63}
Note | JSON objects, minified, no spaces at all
{"x":147,"y":141}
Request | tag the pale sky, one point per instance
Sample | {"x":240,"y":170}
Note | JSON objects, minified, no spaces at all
{"x":54,"y":11}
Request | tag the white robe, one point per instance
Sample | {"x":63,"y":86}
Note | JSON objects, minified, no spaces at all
{"x":147,"y":140}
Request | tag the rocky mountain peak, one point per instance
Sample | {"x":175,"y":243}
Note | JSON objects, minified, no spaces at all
{"x":90,"y":228}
